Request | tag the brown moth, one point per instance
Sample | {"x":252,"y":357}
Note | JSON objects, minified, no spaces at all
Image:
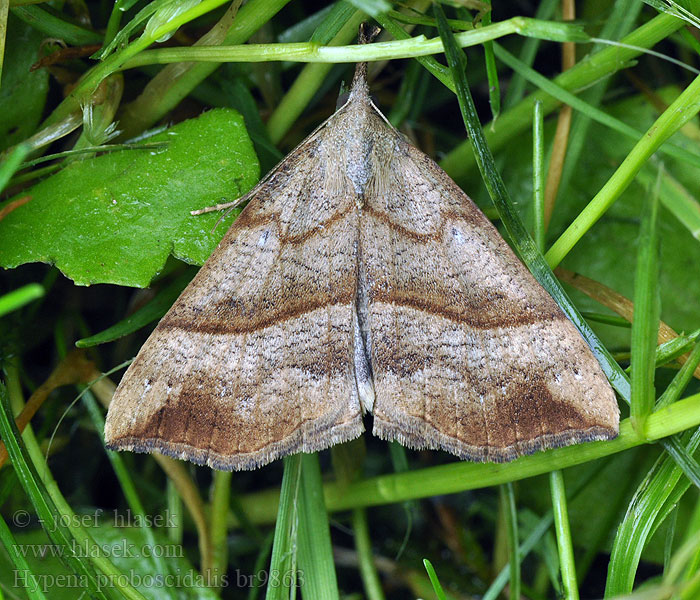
{"x":360,"y":278}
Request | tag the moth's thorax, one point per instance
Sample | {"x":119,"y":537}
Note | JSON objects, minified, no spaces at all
{"x":356,"y":138}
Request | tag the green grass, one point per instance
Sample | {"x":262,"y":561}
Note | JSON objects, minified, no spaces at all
{"x":111,"y":209}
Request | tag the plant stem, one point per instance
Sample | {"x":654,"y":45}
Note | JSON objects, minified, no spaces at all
{"x":218,"y":527}
{"x":564,"y":543}
{"x":307,"y":83}
{"x":411,"y":47}
{"x":363,"y":545}
{"x":510,"y":512}
{"x":460,"y":476}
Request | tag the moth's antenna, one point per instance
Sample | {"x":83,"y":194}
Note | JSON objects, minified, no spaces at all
{"x":359,"y":83}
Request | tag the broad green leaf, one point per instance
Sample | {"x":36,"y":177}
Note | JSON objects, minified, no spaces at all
{"x":117,"y":217}
{"x":23,"y":92}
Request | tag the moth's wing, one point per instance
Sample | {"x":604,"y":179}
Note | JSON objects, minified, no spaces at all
{"x":255,"y":359}
{"x":468,"y":352}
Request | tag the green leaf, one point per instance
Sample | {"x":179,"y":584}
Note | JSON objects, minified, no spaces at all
{"x":116,"y":218}
{"x":241,"y":99}
{"x":23,"y":92}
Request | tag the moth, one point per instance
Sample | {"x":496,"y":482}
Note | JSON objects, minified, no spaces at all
{"x":360,"y":278}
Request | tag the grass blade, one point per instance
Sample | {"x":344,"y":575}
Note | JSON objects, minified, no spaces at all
{"x":316,"y":568}
{"x":681,"y":380}
{"x":683,"y":459}
{"x":538,"y":175}
{"x":344,"y":26}
{"x":363,"y":545}
{"x":584,"y":108}
{"x":284,"y":546}
{"x":641,"y":517}
{"x":133,"y":500}
{"x":645,"y":324}
{"x":55,"y":27}
{"x":596,"y":66}
{"x":152,"y":311}
{"x":677,"y":199}
{"x":492,"y":72}
{"x":510,"y":512}
{"x":439,"y":592}
{"x":22,"y":570}
{"x":16,"y":299}
{"x":12,"y":163}
{"x":219,"y":527}
{"x":564,"y":541}
{"x":51,"y":519}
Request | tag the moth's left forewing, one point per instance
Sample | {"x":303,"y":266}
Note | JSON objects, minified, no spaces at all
{"x":256,"y":358}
